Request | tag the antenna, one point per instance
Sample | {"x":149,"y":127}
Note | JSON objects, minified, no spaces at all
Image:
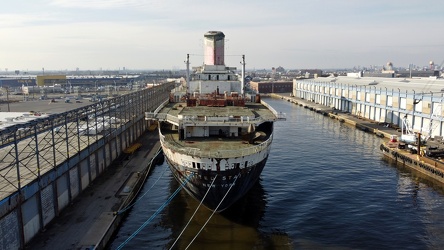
{"x":188,"y":72}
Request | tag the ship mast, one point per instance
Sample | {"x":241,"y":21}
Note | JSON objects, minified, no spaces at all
{"x":188,"y":73}
{"x":243,"y":75}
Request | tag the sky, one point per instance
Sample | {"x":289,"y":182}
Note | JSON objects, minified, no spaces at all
{"x":158,"y":34}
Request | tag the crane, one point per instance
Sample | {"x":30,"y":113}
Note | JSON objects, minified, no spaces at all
{"x":407,"y":134}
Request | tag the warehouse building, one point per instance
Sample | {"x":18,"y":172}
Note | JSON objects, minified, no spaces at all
{"x":415,"y":103}
{"x":266,"y":87}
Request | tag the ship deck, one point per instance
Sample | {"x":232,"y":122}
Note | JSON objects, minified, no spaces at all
{"x":214,"y":145}
{"x":256,"y":110}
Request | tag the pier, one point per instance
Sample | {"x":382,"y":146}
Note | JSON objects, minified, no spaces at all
{"x":427,"y":167}
{"x":48,"y":163}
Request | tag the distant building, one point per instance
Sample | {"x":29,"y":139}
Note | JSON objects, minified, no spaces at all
{"x":280,"y":70}
{"x":47,"y":80}
{"x":16,"y":81}
{"x":311,"y":73}
{"x":378,"y":74}
{"x":354,"y":74}
{"x":403,"y":73}
{"x":417,"y":73}
{"x":272,"y":86}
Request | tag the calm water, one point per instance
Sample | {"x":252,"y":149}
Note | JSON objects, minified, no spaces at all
{"x":325,"y":185}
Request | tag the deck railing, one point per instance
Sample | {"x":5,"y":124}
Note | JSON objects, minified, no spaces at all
{"x":279,"y":115}
{"x":153,"y":115}
{"x":172,"y":144}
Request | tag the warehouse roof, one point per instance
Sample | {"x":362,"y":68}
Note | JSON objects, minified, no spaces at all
{"x":418,"y":85}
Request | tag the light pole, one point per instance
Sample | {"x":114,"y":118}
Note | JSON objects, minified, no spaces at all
{"x":7,"y":98}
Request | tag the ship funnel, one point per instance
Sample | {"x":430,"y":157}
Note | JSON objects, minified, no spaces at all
{"x":214,"y":46}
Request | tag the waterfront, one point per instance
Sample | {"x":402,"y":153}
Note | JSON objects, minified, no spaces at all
{"x":325,"y":185}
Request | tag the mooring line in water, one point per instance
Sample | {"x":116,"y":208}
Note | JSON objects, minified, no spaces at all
{"x":183,"y":230}
{"x":214,"y":211}
{"x":156,"y":213}
{"x":138,"y":199}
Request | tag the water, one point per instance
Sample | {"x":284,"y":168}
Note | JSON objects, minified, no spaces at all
{"x":325,"y":185}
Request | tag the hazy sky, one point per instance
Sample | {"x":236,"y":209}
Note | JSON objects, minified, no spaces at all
{"x":157,"y":34}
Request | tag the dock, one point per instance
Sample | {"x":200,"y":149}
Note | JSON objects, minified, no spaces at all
{"x":58,"y":158}
{"x":427,"y":167}
{"x":90,"y":220}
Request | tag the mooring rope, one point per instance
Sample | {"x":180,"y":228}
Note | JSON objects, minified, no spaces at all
{"x":183,"y":230}
{"x":138,"y":199}
{"x":156,"y":213}
{"x":214,"y":211}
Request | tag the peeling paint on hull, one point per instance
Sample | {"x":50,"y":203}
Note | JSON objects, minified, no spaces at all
{"x":202,"y":179}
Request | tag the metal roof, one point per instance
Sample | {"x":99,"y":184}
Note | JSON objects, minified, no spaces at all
{"x":417,"y":85}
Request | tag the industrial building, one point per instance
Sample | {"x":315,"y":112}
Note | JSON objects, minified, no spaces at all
{"x":414,"y":104}
{"x":271,"y":86}
{"x":46,"y":80}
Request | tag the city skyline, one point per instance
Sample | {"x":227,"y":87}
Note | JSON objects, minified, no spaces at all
{"x":138,"y":34}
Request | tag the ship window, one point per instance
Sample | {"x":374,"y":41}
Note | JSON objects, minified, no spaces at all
{"x":194,"y":164}
{"x":209,"y":77}
{"x":217,"y":77}
{"x":246,"y":163}
{"x":237,"y":165}
{"x":228,"y":77}
{"x":198,"y":165}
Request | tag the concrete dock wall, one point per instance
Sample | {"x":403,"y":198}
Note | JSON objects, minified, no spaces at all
{"x":64,"y":185}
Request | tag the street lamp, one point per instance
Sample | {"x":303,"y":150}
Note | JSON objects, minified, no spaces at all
{"x":131,"y":83}
{"x":7,"y":98}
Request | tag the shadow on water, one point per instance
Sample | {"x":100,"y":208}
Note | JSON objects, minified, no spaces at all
{"x":234,"y":228}
{"x":249,"y":210}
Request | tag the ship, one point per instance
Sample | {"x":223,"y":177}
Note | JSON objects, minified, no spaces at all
{"x":216,"y":137}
